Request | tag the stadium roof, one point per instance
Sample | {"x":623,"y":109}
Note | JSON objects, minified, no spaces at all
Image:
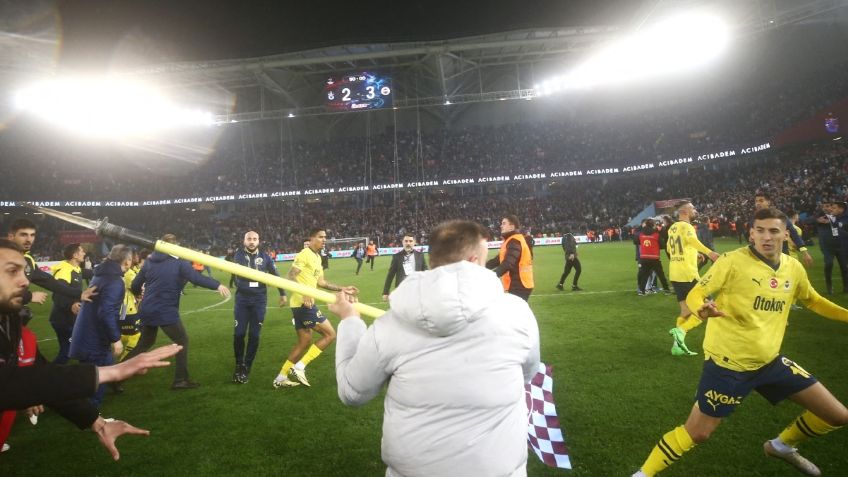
{"x":441,"y":55}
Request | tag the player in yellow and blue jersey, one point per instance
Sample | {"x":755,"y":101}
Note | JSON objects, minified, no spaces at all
{"x":683,"y":247}
{"x":756,"y":286}
{"x":308,"y":271}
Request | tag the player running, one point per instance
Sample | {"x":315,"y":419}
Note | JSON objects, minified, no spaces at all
{"x":756,"y":285}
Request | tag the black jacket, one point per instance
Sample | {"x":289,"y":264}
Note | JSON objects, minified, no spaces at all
{"x":396,"y":268}
{"x":45,"y":280}
{"x":62,"y":388}
{"x":569,"y":244}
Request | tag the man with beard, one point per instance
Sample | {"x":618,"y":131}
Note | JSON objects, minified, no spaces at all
{"x":251,"y":301}
{"x":403,"y":264}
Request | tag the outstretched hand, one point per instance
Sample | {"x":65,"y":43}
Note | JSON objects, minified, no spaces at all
{"x":224,"y":291}
{"x":88,"y":293}
{"x":139,"y":364}
{"x":38,"y":297}
{"x":109,"y":430}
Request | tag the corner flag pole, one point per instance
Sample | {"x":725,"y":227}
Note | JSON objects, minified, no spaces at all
{"x":104,"y":228}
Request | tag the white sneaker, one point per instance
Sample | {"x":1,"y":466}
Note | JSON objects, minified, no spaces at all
{"x":794,"y":458}
{"x":5,"y":447}
{"x":639,"y":473}
{"x":299,"y":375}
{"x":285,"y":383}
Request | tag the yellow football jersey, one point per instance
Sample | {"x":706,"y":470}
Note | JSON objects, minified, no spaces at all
{"x":756,"y":299}
{"x":683,"y":247}
{"x":309,"y":264}
{"x":64,"y":270}
{"x":129,"y":298}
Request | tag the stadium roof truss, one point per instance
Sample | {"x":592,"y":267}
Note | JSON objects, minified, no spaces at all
{"x":427,"y":74}
{"x":424,"y":74}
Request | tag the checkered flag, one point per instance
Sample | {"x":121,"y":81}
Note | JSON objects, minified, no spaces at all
{"x":543,"y":429}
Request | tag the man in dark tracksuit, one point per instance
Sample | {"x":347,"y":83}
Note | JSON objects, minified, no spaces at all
{"x":97,"y":337}
{"x":840,"y":211}
{"x":65,"y":309}
{"x":569,"y":246}
{"x":403,"y":263}
{"x":164,"y":277}
{"x":22,"y":232}
{"x":827,"y":228}
{"x":251,"y":300}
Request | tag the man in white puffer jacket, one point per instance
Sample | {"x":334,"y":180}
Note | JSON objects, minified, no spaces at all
{"x":456,"y":351}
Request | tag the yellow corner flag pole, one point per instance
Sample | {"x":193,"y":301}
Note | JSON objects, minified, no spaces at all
{"x":256,"y":275}
{"x":104,"y":228}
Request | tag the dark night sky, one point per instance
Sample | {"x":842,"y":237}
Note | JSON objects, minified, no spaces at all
{"x":188,"y":30}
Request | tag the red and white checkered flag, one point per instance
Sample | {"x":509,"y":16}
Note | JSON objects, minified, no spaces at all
{"x":543,"y":429}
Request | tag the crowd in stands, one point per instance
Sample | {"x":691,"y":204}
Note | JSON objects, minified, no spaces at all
{"x":244,"y":162}
{"x":798,"y":179}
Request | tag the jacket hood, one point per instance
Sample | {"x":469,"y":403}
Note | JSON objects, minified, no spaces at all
{"x":444,"y":300}
{"x":108,"y":268}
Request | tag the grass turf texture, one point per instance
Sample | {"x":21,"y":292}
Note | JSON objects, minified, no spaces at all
{"x":617,"y":390}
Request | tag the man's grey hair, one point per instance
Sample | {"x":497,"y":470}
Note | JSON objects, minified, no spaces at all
{"x":120,"y":253}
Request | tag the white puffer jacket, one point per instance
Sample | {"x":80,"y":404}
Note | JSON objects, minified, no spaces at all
{"x":457,"y":352}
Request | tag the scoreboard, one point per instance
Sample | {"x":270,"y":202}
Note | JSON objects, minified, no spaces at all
{"x":358,"y":91}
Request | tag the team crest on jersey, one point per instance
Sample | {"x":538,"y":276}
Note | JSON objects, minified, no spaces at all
{"x":786,"y":285}
{"x":259,"y":261}
{"x":773,"y":283}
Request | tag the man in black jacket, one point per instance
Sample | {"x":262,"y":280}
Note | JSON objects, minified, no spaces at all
{"x":827,"y":228}
{"x":65,"y":309}
{"x":22,"y":232}
{"x":62,"y":388}
{"x":250,"y":306}
{"x":569,"y":246}
{"x":404,"y":263}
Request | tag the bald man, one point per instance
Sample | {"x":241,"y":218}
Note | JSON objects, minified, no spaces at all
{"x":251,"y":301}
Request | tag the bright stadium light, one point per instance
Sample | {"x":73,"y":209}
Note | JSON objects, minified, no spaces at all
{"x":106,"y":107}
{"x":676,"y":44}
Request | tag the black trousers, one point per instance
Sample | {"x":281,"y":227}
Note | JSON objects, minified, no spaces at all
{"x":648,"y":265}
{"x":569,"y":264}
{"x":830,"y":251}
{"x":177,"y":334}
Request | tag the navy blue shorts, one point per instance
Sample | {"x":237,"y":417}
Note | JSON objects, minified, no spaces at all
{"x":722,"y":389}
{"x":681,"y":289}
{"x":307,"y":318}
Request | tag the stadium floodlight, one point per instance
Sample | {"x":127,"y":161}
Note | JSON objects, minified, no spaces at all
{"x":106,"y":107}
{"x":676,"y":44}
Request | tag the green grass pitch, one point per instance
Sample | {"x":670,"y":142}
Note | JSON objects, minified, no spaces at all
{"x":617,"y":391}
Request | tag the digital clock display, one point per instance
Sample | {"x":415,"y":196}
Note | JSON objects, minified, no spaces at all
{"x":358,"y":91}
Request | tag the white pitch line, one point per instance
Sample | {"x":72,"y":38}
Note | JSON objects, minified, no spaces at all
{"x":207,"y":308}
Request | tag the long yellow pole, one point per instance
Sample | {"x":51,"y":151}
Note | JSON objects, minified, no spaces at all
{"x":256,"y":275}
